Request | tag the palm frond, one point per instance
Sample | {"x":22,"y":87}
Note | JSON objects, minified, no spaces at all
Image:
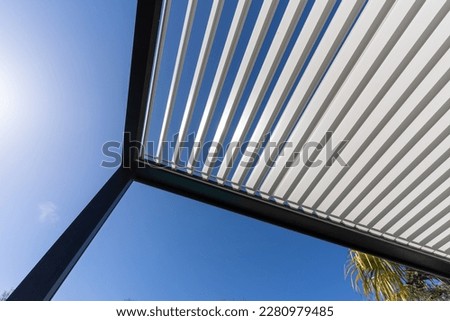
{"x":376,"y":278}
{"x":380,"y":279}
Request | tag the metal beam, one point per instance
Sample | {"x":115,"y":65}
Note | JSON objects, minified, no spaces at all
{"x":50,"y":272}
{"x":144,"y":44}
{"x":225,"y":197}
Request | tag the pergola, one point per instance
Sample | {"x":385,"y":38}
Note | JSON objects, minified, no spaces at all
{"x":373,"y":75}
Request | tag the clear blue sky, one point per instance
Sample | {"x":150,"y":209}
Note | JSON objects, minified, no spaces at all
{"x":64,"y":69}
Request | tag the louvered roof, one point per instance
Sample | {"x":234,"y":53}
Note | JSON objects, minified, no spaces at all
{"x":336,"y":109}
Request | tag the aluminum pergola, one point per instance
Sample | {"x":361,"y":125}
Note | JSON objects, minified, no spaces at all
{"x":375,"y":74}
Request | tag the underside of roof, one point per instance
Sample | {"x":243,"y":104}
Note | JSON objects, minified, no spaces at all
{"x":335,"y":110}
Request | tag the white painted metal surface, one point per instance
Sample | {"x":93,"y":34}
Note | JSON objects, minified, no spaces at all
{"x":369,"y":79}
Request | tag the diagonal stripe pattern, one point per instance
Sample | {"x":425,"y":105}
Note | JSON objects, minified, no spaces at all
{"x":338,"y":108}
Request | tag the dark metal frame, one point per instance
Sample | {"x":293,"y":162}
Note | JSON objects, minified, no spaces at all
{"x":46,"y":277}
{"x":50,"y":272}
{"x":295,"y":220}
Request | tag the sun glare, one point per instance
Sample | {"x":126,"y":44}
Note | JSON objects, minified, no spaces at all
{"x":8,"y":93}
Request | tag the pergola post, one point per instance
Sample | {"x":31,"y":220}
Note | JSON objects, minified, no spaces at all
{"x":50,"y":272}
